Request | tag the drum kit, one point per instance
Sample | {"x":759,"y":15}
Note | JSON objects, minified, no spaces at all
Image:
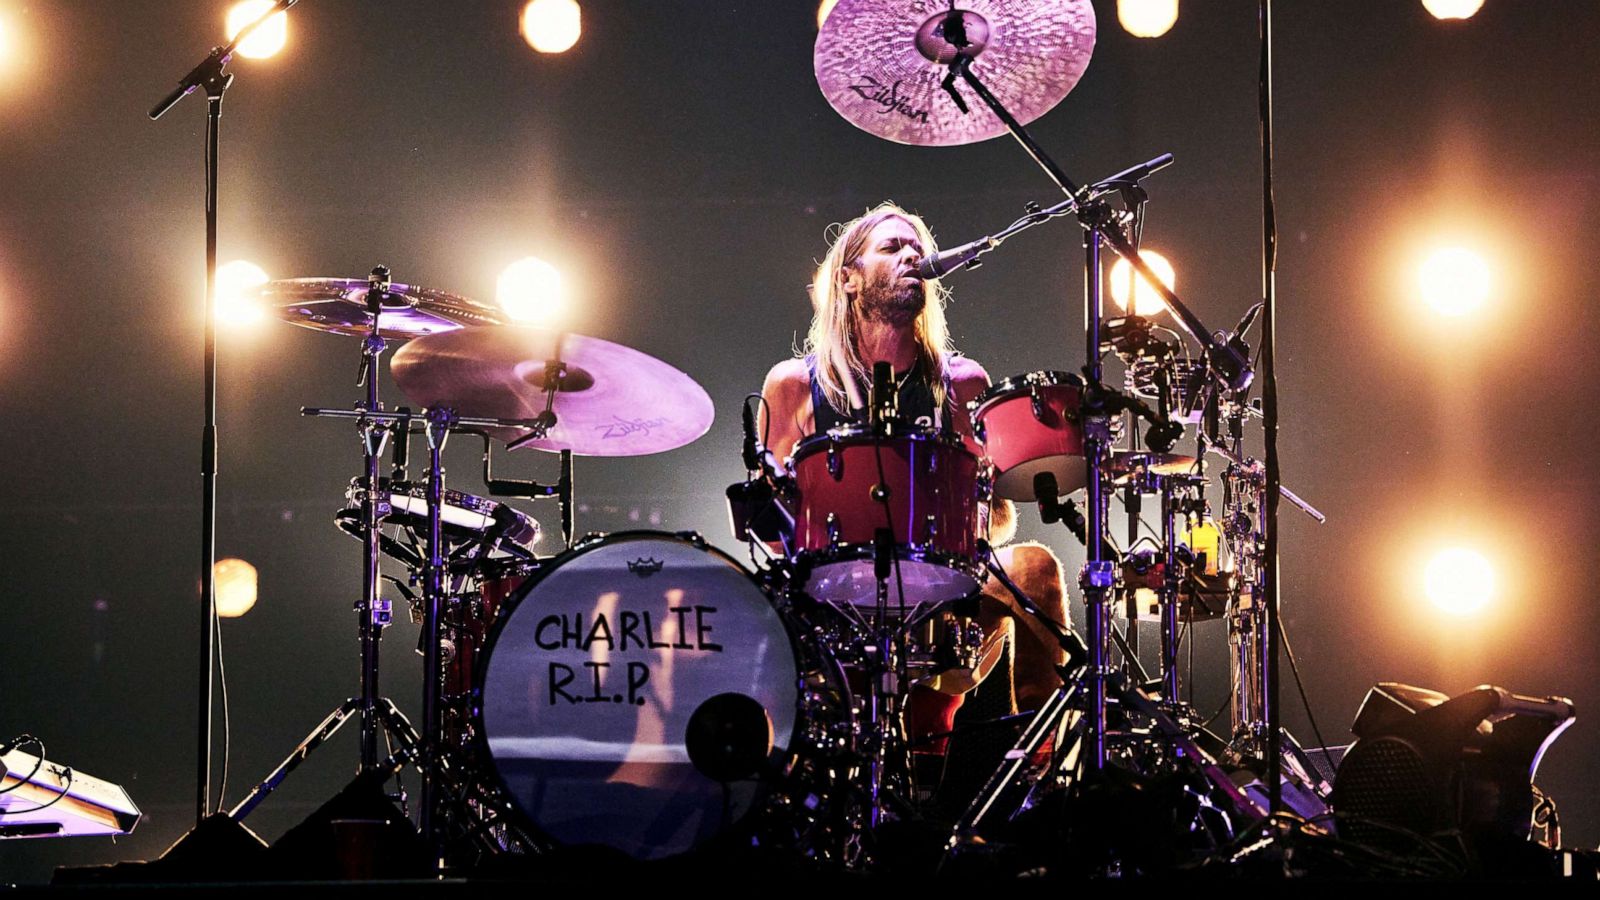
{"x":648,"y":692}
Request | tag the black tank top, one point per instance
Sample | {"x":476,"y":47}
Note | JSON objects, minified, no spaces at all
{"x":915,"y":400}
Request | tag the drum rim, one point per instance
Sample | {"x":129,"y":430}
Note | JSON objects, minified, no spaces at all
{"x":1013,"y":383}
{"x":858,"y":433}
{"x":863,"y":552}
{"x":480,"y":736}
{"x":473,"y":503}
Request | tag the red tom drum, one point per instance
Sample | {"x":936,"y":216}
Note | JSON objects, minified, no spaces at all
{"x":933,"y":506}
{"x":1029,"y":424}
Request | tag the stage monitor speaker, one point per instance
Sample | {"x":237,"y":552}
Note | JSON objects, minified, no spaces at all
{"x":1426,"y":765}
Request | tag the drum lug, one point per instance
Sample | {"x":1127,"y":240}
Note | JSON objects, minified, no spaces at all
{"x":833,"y":527}
{"x":933,"y":462}
{"x":980,"y":432}
{"x":834,"y":465}
{"x":933,"y":528}
{"x":1037,"y":402}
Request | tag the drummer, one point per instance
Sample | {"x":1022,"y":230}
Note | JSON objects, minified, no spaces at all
{"x":869,"y":305}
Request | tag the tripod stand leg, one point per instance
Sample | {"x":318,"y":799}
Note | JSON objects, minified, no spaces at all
{"x":1013,"y":772}
{"x":318,"y":736}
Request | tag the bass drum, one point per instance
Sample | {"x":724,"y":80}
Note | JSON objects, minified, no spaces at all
{"x":613,"y":665}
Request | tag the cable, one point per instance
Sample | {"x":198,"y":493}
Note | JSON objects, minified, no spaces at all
{"x":227,"y":725}
{"x":66,"y":788}
{"x":1294,"y":667}
{"x":38,"y":761}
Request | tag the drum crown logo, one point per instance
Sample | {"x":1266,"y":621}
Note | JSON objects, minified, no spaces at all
{"x":644,"y":567}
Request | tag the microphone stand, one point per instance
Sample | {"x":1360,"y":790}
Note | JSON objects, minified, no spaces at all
{"x":210,"y":75}
{"x":1102,"y":228}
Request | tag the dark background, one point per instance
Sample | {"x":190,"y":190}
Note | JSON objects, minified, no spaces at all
{"x":680,"y":166}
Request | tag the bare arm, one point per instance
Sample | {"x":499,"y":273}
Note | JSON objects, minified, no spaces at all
{"x":785,"y":416}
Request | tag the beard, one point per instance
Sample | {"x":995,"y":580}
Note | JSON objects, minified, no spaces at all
{"x":887,"y":298}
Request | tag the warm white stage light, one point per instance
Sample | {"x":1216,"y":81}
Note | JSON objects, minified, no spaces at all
{"x":234,"y":581}
{"x":265,"y":40}
{"x":1147,"y":18}
{"x":1459,"y":581}
{"x":823,"y":8}
{"x":1452,"y":9}
{"x":530,"y":291}
{"x":8,"y":48}
{"x":234,"y":281}
{"x":1454,"y":281}
{"x":1147,"y":302}
{"x":552,"y":26}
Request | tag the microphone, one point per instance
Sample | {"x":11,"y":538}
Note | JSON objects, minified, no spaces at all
{"x":751,"y":450}
{"x":1136,"y":174}
{"x":885,"y":405}
{"x":936,"y":265}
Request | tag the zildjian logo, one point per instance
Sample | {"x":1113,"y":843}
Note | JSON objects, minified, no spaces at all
{"x":888,"y":96}
{"x":624,"y":427}
{"x":645,"y":567}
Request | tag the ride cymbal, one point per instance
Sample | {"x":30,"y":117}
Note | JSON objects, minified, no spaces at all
{"x":612,"y":401}
{"x":881,"y":64}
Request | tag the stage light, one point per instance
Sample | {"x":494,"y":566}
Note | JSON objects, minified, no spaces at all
{"x":235,"y":581}
{"x":264,"y":41}
{"x":1459,"y":581}
{"x":1452,"y":9}
{"x":1147,"y":18}
{"x":234,"y":281}
{"x":530,"y":290}
{"x":8,"y":48}
{"x":823,"y":8}
{"x":1454,"y":281}
{"x":1146,"y":301}
{"x":552,"y":26}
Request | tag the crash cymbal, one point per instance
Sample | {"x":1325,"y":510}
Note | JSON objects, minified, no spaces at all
{"x":1126,"y":463}
{"x":880,"y":64}
{"x":339,"y":305}
{"x":614,"y":400}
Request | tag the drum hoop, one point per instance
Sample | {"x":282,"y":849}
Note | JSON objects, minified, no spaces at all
{"x":473,"y":503}
{"x":1026,"y":381}
{"x":863,"y":552}
{"x":866,"y":434}
{"x":480,"y":736}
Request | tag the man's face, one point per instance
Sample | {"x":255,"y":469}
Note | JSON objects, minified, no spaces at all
{"x":884,"y":280}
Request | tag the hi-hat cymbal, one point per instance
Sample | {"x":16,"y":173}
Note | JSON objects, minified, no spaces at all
{"x":614,"y":400}
{"x":880,"y":64}
{"x":339,"y":305}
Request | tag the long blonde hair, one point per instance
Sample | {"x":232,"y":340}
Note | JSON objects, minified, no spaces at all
{"x":832,"y":339}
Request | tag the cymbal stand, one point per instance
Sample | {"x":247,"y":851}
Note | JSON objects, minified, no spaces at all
{"x":561,"y":491}
{"x":373,"y":613}
{"x":439,"y":422}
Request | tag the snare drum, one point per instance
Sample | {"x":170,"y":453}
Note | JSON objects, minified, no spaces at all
{"x":1028,"y":425}
{"x":607,"y":669}
{"x":464,"y":519}
{"x":933,"y":509}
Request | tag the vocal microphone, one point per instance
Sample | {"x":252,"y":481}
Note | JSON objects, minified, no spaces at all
{"x":936,"y":265}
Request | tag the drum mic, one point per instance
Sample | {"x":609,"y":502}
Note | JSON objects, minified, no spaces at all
{"x":885,"y":405}
{"x":752,"y":449}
